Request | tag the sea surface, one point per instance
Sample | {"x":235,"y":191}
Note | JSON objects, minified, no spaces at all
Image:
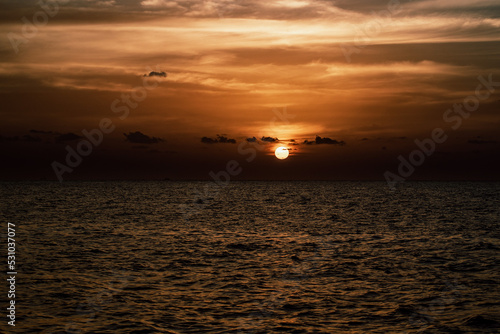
{"x":253,"y":257}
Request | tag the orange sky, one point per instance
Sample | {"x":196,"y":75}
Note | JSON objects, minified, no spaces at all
{"x":232,"y":67}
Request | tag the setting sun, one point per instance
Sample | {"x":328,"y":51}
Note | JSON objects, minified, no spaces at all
{"x":281,"y":153}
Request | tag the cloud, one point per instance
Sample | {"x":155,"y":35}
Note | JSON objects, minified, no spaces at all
{"x":207,"y":140}
{"x":222,"y":139}
{"x":156,"y":74}
{"x":173,"y":5}
{"x":293,"y":9}
{"x":140,"y":138}
{"x":328,"y":141}
{"x":263,"y":139}
{"x":325,"y":140}
{"x":44,"y":132}
{"x":67,"y":137}
{"x":269,"y":139}
{"x":26,"y":138}
{"x":31,"y":138}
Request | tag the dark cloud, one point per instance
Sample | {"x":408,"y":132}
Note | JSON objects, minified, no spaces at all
{"x":324,"y":140}
{"x":25,"y":138}
{"x":252,"y":140}
{"x":31,"y":138}
{"x":140,"y":138}
{"x":67,"y":137}
{"x":362,"y":6}
{"x":328,"y":141}
{"x":269,"y":139}
{"x":44,"y":132}
{"x":207,"y":140}
{"x":156,"y":74}
{"x":222,"y":139}
{"x":136,"y":10}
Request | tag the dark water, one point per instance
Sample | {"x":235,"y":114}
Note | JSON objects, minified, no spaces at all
{"x":254,"y":257}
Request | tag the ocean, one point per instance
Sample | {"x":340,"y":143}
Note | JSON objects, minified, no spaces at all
{"x":253,"y":257}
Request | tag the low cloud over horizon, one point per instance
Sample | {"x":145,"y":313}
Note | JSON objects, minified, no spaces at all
{"x":140,"y":138}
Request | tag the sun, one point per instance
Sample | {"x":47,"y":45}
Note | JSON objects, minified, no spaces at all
{"x":281,"y":153}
